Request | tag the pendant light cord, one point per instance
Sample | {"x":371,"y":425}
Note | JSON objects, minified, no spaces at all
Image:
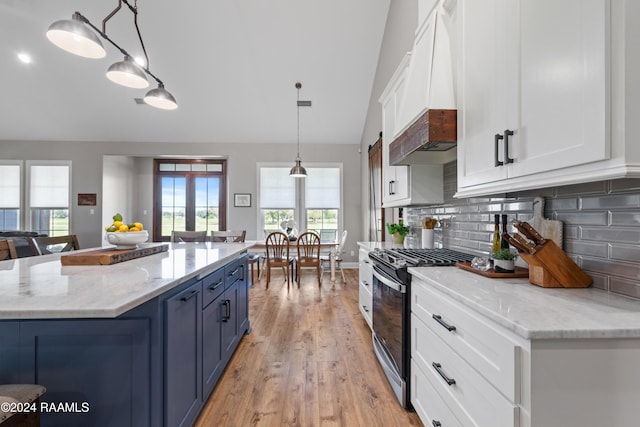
{"x":298,"y":86}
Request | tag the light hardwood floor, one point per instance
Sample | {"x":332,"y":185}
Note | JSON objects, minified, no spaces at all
{"x":308,"y":361}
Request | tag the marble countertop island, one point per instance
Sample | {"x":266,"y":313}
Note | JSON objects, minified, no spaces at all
{"x":534,"y":312}
{"x":42,"y":288}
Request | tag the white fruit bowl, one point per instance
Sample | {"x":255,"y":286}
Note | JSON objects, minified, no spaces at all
{"x":127,"y":239}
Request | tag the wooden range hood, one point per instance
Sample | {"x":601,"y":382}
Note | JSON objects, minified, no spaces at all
{"x":434,"y":130}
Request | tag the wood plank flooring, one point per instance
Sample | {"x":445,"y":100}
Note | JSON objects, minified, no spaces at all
{"x":307,"y":362}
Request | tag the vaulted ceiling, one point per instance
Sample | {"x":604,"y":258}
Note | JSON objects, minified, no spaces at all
{"x":231,"y":64}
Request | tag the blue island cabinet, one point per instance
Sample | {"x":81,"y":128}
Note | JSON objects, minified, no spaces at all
{"x":153,"y":366}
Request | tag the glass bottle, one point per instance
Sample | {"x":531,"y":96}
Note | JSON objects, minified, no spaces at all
{"x":504,"y":242}
{"x":495,"y":243}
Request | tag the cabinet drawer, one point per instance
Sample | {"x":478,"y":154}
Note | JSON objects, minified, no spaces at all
{"x":468,"y":391}
{"x":482,"y":344}
{"x":428,"y":403}
{"x":365,"y":303}
{"x":233,"y":273}
{"x":212,"y":286}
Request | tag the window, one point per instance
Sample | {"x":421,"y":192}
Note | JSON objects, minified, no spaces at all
{"x":190,"y":196}
{"x":10,"y":197}
{"x":314,"y":203}
{"x":49,"y":197}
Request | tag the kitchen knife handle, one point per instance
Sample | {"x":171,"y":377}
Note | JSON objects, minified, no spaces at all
{"x":507,"y":134}
{"x":496,"y":140}
{"x":519,"y":225}
{"x":517,"y":244}
{"x":528,"y":247}
{"x":535,"y":236}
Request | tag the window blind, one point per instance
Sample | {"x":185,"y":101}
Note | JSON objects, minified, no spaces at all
{"x":10,"y":186}
{"x":277,"y":188}
{"x":49,"y":186}
{"x":322,"y":188}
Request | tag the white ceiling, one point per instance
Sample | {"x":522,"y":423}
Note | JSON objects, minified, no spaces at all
{"x":231,"y":64}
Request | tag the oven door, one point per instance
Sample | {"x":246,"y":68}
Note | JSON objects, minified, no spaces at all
{"x":390,"y":330}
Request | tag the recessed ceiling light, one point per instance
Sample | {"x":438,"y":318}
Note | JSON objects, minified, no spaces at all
{"x":24,"y":57}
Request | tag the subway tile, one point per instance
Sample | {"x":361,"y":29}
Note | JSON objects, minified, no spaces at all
{"x":630,"y":288}
{"x":600,"y":281}
{"x":610,"y":202}
{"x":626,"y":184}
{"x":584,"y":218}
{"x":570,"y":232}
{"x":479,"y":236}
{"x":578,"y":247}
{"x":631,"y":218}
{"x":598,"y":187}
{"x":612,"y":268}
{"x":625,"y":252}
{"x":562,"y":204}
{"x":610,"y":234}
{"x":517,"y":206}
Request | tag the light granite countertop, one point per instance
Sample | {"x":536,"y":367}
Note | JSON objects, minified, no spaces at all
{"x":42,"y":288}
{"x":534,"y":312}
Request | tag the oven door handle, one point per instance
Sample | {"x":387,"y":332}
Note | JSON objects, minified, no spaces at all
{"x":388,"y":281}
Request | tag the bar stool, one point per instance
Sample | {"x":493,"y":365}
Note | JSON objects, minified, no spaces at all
{"x":20,"y":394}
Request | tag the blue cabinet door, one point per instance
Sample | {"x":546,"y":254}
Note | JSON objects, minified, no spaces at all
{"x":183,"y":363}
{"x":242,"y":303}
{"x":212,"y":363}
{"x":229,"y":323}
{"x":96,"y":370}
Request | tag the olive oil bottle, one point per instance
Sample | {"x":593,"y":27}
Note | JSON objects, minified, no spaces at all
{"x":495,"y":243}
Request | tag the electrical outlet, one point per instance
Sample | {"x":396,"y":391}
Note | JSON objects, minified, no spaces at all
{"x":353,"y":253}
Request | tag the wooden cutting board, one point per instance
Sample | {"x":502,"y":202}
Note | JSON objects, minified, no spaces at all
{"x":518,"y":273}
{"x":110,"y":256}
{"x":549,"y":229}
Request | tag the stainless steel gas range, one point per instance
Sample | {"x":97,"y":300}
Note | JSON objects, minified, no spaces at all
{"x":392,"y":305}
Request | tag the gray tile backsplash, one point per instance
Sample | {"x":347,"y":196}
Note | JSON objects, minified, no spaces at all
{"x":601,"y":225}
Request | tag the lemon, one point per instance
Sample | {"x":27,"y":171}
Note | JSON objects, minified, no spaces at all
{"x":138,"y":225}
{"x":117,"y":224}
{"x":134,"y":229}
{"x":123,"y":227}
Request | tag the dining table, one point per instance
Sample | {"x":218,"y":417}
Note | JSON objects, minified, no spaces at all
{"x":261,"y":246}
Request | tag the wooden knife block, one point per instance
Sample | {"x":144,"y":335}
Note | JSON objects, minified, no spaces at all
{"x":550,"y":267}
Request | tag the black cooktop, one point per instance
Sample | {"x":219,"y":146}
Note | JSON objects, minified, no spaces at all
{"x":437,"y":257}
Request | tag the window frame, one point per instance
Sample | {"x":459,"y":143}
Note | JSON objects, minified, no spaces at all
{"x":21,"y":197}
{"x":300,"y":210}
{"x":27,"y":190}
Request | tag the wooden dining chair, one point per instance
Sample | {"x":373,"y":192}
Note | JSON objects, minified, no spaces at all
{"x":308,"y":254}
{"x":278,"y":255}
{"x":188,"y":236}
{"x":228,"y":236}
{"x":338,"y":255}
{"x":7,"y":250}
{"x":53,"y":244}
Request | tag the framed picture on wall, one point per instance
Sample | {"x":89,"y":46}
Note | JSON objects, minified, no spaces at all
{"x":242,"y":200}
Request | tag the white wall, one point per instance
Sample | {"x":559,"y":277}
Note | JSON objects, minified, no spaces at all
{"x":133,"y":191}
{"x":399,"y":33}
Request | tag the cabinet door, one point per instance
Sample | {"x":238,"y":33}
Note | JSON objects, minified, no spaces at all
{"x":561,"y":119}
{"x":183,"y":367}
{"x":484,"y":89}
{"x":242,"y":302}
{"x":230,"y":334}
{"x":212,"y":363}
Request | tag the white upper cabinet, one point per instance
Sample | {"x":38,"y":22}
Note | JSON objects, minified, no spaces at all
{"x":535,"y":93}
{"x":404,"y":185}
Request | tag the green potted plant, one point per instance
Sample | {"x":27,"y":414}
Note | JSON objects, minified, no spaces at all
{"x":398,"y":231}
{"x":503,"y":260}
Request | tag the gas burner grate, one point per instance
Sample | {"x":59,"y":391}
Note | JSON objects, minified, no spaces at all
{"x":431,"y":257}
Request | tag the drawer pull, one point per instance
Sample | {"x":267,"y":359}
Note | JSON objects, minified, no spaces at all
{"x":438,"y":368}
{"x":215,"y":285}
{"x":447,"y":326}
{"x":436,"y":423}
{"x":188,"y":297}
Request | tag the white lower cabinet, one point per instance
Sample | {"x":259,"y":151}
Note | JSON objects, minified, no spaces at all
{"x":468,"y":370}
{"x":366,"y":278}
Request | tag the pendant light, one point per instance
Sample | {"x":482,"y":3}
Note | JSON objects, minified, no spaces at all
{"x":76,"y":36}
{"x":298,"y":171}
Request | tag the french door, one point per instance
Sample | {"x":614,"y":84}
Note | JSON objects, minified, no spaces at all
{"x":189,"y":196}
